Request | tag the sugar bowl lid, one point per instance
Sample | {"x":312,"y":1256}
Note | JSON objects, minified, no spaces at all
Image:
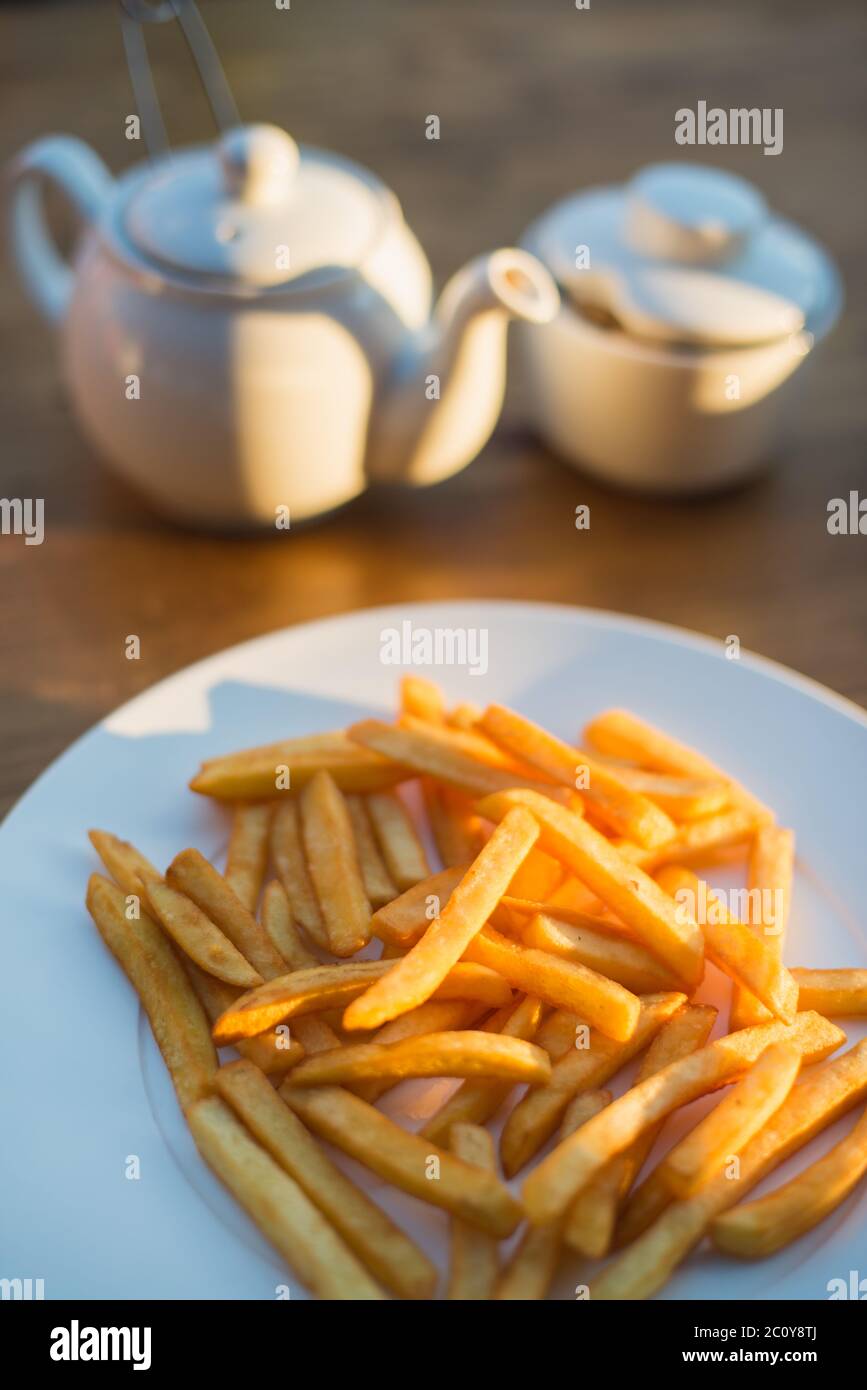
{"x":687,"y":254}
{"x":255,"y":209}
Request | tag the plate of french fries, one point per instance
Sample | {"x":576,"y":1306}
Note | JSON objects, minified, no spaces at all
{"x":333,"y":976}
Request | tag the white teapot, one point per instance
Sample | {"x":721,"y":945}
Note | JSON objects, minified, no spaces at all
{"x":246,"y":326}
{"x":687,"y":307}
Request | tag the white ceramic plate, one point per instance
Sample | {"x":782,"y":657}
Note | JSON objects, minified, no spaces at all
{"x":83,"y":1084}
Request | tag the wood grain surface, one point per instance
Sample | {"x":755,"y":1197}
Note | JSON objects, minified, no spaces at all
{"x":535,"y":99}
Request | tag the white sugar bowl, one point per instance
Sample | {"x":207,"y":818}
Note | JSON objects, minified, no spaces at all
{"x":686,"y":309}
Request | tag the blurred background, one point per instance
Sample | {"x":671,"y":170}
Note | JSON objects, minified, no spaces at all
{"x":535,"y":100}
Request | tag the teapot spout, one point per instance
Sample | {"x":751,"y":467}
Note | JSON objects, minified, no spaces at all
{"x":443,"y":396}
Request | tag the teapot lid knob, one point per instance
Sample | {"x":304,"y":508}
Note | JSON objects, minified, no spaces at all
{"x":258,"y":163}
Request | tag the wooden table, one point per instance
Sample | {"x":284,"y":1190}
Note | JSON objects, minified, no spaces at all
{"x":534,"y":99}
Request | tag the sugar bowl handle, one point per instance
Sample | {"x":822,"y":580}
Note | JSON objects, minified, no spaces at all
{"x":86,"y":182}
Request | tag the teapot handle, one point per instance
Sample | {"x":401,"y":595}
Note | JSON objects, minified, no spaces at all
{"x":85,"y":180}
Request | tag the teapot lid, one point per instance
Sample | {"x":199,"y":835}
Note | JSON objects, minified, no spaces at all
{"x":691,"y":254}
{"x":255,"y":209}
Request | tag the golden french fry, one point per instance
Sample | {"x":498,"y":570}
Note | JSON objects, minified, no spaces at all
{"x":558,"y":1033}
{"x":592,"y":1061}
{"x":155,"y":973}
{"x":191,"y":874}
{"x":682,"y":798}
{"x":325,"y":987}
{"x":435,"y":1016}
{"x":639,"y":902}
{"x":602,"y":1002}
{"x":551,"y":1187}
{"x":389,"y":1254}
{"x":127,"y":866}
{"x":404,"y":1159}
{"x":834,"y":993}
{"x":734,"y":1121}
{"x":762,"y":1227}
{"x":697,"y":840}
{"x":625,"y":811}
{"x":537,"y":878}
{"x":196,"y":935}
{"x":464,"y":1053}
{"x":590,"y":1223}
{"x":771,"y":868}
{"x":456,"y":829}
{"x":273,"y":1053}
{"x":427,"y":754}
{"x":464,"y":716}
{"x":330,"y":849}
{"x":262,"y":774}
{"x":278,"y":1205}
{"x":619,"y":958}
{"x":623,"y":735}
{"x":733,"y":947}
{"x":474,"y":1102}
{"x":474,"y":1258}
{"x":406,"y":919}
{"x":422,"y":698}
{"x":414,"y":977}
{"x":574,"y":897}
{"x":401,"y":848}
{"x":821,"y":1096}
{"x":476,"y":744}
{"x":280,"y":926}
{"x":247,"y":855}
{"x":378,"y":883}
{"x":287,"y":852}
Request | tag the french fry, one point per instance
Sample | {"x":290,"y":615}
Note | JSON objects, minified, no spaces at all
{"x":422,"y":698}
{"x":530,"y":1271}
{"x":435,"y":1016}
{"x":280,"y":927}
{"x":196,"y":935}
{"x":475,"y":1102}
{"x":589,"y":1224}
{"x":559,"y":1032}
{"x":414,"y":978}
{"x":406,"y":919}
{"x":278,"y":1205}
{"x":602,"y":1002}
{"x":539,"y":876}
{"x":760,"y":1228}
{"x":551,"y":1187}
{"x":127,"y":866}
{"x":834,"y":993}
{"x":155,"y":973}
{"x":463,"y":1053}
{"x":623,"y":735}
{"x":329,"y":986}
{"x":634,"y":897}
{"x":682,"y":798}
{"x":400,"y":846}
{"x":456,"y":829}
{"x":287,"y":852}
{"x":378,"y":883}
{"x":733,"y":947}
{"x":585,"y":1067}
{"x":697,"y":840}
{"x":273,"y":1053}
{"x":475,"y":742}
{"x":464,"y":716}
{"x":247,"y":855}
{"x":821,"y":1096}
{"x":474,"y":1259}
{"x":404,"y":1159}
{"x":261,"y":774}
{"x":329,"y":845}
{"x":191,"y":874}
{"x":771,"y":868}
{"x":429,"y":755}
{"x":389,"y":1254}
{"x":623,"y":810}
{"x":620,"y":959}
{"x":573,"y":896}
